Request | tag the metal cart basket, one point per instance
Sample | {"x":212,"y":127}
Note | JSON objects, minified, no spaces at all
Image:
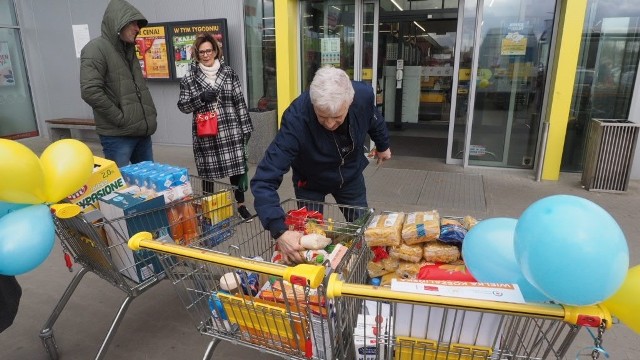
{"x":409,"y":326}
{"x":99,"y":245}
{"x":235,"y":292}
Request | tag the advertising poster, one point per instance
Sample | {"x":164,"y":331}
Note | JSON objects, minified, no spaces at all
{"x":151,"y":50}
{"x":6,"y":71}
{"x":183,"y":36}
{"x":514,"y":41}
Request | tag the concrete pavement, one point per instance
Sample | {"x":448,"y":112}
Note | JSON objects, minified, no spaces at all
{"x":157,"y":326}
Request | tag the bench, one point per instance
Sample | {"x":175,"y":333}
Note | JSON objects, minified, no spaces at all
{"x":65,"y":128}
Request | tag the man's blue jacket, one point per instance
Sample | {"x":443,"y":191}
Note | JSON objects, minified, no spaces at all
{"x":312,"y":152}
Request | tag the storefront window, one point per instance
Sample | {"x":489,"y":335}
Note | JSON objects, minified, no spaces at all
{"x":606,"y":73}
{"x":17,"y":118}
{"x":327,"y":37}
{"x":260,"y":38}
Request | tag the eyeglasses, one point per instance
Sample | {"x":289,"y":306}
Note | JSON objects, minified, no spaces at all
{"x":207,"y":51}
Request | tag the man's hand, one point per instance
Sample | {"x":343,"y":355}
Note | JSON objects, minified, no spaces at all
{"x":383,"y":156}
{"x":289,"y":246}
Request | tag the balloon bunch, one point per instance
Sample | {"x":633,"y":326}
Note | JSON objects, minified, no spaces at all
{"x":564,"y":249}
{"x":28,"y":184}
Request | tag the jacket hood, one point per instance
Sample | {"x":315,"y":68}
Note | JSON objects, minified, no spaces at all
{"x":118,"y":14}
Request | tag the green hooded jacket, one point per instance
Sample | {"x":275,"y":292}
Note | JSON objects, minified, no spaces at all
{"x":111,"y":80}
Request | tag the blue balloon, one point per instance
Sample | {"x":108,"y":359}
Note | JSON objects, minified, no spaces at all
{"x":6,"y":207}
{"x":27,"y":237}
{"x":488,"y":253}
{"x":571,"y":249}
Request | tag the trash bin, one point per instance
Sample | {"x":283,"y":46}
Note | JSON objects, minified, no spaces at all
{"x":265,"y":127}
{"x":609,"y":151}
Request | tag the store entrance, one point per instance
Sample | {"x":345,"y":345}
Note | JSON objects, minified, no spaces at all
{"x":415,"y":79}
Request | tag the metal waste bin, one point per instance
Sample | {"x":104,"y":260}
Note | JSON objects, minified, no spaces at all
{"x":609,"y":151}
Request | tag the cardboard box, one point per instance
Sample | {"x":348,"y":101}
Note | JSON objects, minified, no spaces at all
{"x":218,"y":207}
{"x":129,"y":214}
{"x":370,"y":336}
{"x":104,"y":180}
{"x":215,"y":234}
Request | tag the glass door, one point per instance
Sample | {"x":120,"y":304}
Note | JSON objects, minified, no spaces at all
{"x":512,"y":58}
{"x":415,"y":77}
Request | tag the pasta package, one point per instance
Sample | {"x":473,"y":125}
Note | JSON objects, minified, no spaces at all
{"x":439,"y":252}
{"x":411,"y":253}
{"x":376,"y":269}
{"x":385,"y":230}
{"x":390,"y":263}
{"x":468,"y":222}
{"x":408,"y":270}
{"x":421,"y":227}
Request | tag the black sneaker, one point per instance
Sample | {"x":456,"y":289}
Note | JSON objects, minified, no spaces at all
{"x":244,"y":213}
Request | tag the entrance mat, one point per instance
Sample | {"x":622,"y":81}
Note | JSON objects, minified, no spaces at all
{"x":426,"y":147}
{"x":431,"y":189}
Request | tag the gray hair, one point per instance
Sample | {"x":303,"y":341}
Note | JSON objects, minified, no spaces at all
{"x":330,"y":89}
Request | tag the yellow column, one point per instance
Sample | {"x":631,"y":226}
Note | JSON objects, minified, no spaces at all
{"x":569,"y":37}
{"x":286,"y":13}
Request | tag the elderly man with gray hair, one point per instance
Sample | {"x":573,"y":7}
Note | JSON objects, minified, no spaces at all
{"x":321,"y":139}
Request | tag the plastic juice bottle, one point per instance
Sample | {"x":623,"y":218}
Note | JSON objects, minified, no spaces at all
{"x":175,"y":225}
{"x":189,"y":222}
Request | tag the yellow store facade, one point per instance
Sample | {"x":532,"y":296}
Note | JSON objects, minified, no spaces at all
{"x":498,"y":83}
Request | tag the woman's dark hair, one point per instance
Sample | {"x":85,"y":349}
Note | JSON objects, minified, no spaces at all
{"x":201,"y":39}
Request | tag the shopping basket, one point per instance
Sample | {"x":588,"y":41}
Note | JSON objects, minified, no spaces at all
{"x":100,"y":245}
{"x":410,"y":326}
{"x":235,"y":292}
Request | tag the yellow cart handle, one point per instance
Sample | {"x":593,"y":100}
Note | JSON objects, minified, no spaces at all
{"x":591,"y":316}
{"x":303,"y":274}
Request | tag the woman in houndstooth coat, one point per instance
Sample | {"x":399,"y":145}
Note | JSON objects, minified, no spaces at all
{"x":210,"y":85}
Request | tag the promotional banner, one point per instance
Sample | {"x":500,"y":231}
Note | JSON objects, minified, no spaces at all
{"x":184,"y":34}
{"x":151,"y":50}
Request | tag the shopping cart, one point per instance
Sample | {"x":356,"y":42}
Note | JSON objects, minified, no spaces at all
{"x":407,"y":326}
{"x":100,"y":245}
{"x":237,"y":294}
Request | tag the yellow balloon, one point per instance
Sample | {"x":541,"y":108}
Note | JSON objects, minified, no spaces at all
{"x":67,"y":165}
{"x":484,"y":83}
{"x":21,"y":176}
{"x":624,"y":304}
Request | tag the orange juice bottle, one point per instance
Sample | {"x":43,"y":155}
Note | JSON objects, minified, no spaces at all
{"x":189,"y":222}
{"x":177,"y":230}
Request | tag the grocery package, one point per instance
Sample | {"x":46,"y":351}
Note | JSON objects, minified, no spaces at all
{"x":420,"y":227}
{"x":408,"y":270}
{"x":441,"y":252}
{"x":170,"y":181}
{"x":455,"y":271}
{"x":468,"y":222}
{"x":452,"y":231}
{"x":410,"y":253}
{"x":385,"y":230}
{"x":104,"y":180}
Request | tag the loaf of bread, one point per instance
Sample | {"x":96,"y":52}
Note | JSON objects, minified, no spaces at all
{"x":385,"y":229}
{"x":441,"y":253}
{"x":421,"y":227}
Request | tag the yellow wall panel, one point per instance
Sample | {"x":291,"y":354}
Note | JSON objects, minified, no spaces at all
{"x":562,"y":79}
{"x":287,"y":50}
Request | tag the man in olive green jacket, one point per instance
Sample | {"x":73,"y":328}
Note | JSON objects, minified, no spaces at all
{"x":112,"y":84}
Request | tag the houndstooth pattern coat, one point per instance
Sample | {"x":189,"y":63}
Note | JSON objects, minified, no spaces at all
{"x":222,"y":155}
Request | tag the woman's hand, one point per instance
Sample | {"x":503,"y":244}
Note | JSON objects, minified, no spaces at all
{"x":289,"y":246}
{"x":207,"y":96}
